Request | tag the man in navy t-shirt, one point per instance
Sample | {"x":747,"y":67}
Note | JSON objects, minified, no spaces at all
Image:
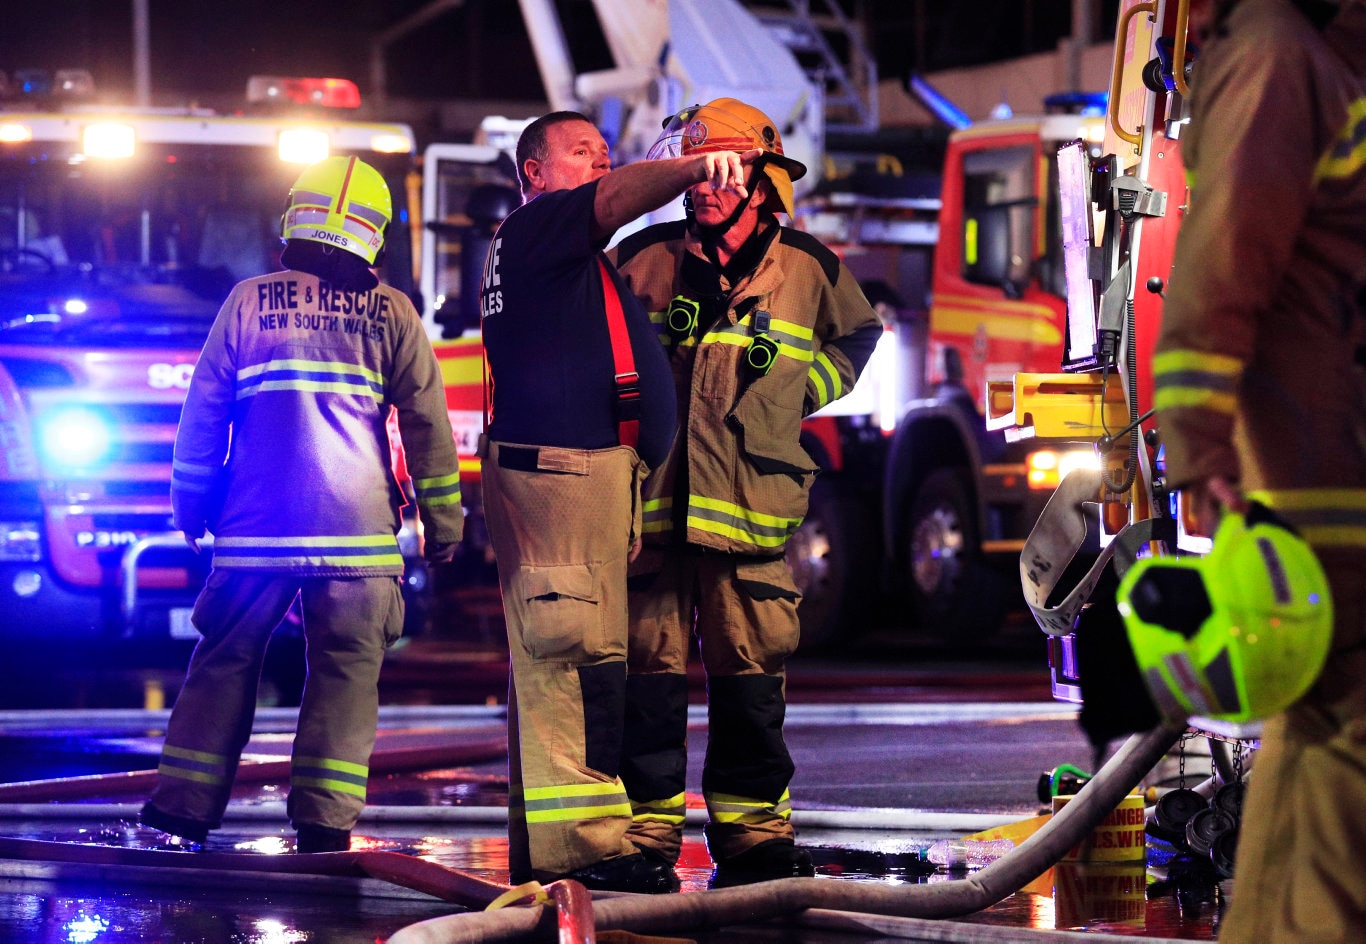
{"x":571,"y":436}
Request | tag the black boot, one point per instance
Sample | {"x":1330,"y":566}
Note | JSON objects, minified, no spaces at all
{"x":190,"y":830}
{"x":315,"y":838}
{"x":773,"y":859}
{"x":628,"y":873}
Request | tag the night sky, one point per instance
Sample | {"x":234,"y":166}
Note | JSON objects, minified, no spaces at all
{"x":213,"y":48}
{"x":477,"y":50}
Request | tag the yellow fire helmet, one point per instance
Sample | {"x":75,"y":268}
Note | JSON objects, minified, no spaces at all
{"x":728,"y":124}
{"x":1236,"y":635}
{"x":342,"y":202}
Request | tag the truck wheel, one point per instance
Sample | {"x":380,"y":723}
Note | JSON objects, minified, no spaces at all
{"x":954,"y":590}
{"x":831,"y":562}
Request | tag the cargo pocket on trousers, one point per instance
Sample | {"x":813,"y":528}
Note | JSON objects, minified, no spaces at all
{"x":207,"y":615}
{"x":393,"y":622}
{"x":563,"y":618}
{"x":768,"y":582}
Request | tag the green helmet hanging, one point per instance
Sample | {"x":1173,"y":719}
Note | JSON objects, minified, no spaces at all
{"x":1236,"y":635}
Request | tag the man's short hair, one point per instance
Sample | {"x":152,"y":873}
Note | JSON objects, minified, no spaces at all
{"x":531,"y":144}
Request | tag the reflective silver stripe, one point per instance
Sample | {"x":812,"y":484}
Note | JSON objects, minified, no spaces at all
{"x":826,"y":378}
{"x":671,"y":811}
{"x":742,"y":524}
{"x":576,"y":801}
{"x":308,"y":376}
{"x":274,"y":553}
{"x":368,"y":214}
{"x":328,"y":774}
{"x":196,"y":766}
{"x":439,"y":490}
{"x":728,"y":808}
{"x":191,"y":476}
{"x":1324,"y":517}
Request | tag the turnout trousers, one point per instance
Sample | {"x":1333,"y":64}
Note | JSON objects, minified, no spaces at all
{"x":1297,"y":876}
{"x":744,"y":612}
{"x":562,"y":522}
{"x":348,"y":623}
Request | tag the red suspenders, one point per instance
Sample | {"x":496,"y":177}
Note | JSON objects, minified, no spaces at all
{"x":623,"y":364}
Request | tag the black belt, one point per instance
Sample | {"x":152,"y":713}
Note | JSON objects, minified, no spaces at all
{"x":519,"y":458}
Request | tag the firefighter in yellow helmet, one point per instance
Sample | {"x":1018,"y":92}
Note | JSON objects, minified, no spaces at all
{"x":1260,"y":372}
{"x":763,"y":325}
{"x":283,"y":455}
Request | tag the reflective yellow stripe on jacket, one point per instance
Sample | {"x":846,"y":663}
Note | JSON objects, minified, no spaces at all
{"x":741,"y":524}
{"x":1347,"y":156}
{"x":1325,"y":517}
{"x":441,"y":490}
{"x":657,"y":515}
{"x":192,"y":476}
{"x":720,"y":517}
{"x":276,"y":553}
{"x":1196,"y":379}
{"x":308,"y":376}
{"x":825,"y":376}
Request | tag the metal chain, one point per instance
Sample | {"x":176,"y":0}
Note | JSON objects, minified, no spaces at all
{"x":1238,"y":761}
{"x":1181,"y":762}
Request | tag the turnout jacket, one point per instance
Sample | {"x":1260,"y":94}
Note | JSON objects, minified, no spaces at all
{"x":1260,"y":367}
{"x":737,"y":477}
{"x":282,"y":450}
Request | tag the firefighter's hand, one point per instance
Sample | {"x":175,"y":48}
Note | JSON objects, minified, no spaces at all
{"x":193,"y":540}
{"x":1208,"y":500}
{"x":434,"y":552}
{"x":726,"y":169}
{"x":636,"y":545}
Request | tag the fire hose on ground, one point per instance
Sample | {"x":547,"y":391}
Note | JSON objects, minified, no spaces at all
{"x":795,"y":898}
{"x":807,"y":902}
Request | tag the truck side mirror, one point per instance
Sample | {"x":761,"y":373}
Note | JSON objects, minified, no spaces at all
{"x":995,"y":250}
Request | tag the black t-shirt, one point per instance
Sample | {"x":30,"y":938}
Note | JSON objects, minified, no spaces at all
{"x":546,"y":337}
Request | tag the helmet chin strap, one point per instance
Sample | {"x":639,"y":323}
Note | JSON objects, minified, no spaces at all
{"x":711,"y":234}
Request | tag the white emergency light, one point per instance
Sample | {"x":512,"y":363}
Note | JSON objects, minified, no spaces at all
{"x":108,"y":139}
{"x":392,"y":143}
{"x":1046,"y":468}
{"x":304,"y":145}
{"x":14,"y":133}
{"x":1078,"y":245}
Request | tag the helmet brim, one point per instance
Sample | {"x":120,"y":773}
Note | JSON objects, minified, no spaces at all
{"x":781,"y":180}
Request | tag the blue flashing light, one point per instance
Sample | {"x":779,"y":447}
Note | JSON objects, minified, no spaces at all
{"x":76,"y":438}
{"x":938,"y":104}
{"x":1091,"y":104}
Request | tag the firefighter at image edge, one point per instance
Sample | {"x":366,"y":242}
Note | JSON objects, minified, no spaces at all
{"x":283,"y":455}
{"x":763,"y":326}
{"x":1260,"y":373}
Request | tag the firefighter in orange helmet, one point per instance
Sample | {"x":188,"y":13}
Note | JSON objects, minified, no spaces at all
{"x":763,"y":326}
